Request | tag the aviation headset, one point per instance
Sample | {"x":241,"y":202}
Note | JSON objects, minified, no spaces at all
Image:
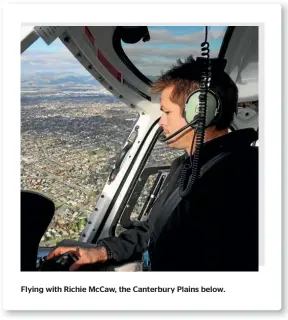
{"x":191,"y":109}
{"x":214,"y":104}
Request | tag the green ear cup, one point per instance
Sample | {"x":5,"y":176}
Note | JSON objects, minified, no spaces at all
{"x":192,"y":103}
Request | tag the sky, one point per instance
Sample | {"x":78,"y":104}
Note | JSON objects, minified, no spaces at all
{"x":167,"y":44}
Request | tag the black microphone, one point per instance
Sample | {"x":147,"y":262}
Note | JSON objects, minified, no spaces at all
{"x":162,"y":136}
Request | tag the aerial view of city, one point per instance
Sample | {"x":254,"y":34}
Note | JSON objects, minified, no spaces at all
{"x":70,"y":137}
{"x":72,"y":129}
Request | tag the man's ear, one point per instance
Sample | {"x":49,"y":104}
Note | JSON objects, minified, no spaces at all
{"x":183,"y":117}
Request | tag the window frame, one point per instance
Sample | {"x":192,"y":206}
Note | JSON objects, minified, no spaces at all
{"x":118,"y":216}
{"x":121,"y":215}
{"x":116,"y":41}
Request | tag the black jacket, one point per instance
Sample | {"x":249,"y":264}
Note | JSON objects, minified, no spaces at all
{"x":215,"y":228}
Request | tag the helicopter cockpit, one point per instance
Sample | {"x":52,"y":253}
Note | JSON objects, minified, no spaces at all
{"x":65,"y":195}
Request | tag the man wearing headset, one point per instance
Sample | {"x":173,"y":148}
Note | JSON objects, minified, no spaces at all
{"x":214,"y":227}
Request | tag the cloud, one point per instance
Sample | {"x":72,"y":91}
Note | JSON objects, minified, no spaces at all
{"x":164,"y":36}
{"x":151,"y":61}
{"x":48,"y":57}
{"x":150,"y":58}
{"x":165,"y":48}
{"x":143,"y":51}
{"x":59,"y":61}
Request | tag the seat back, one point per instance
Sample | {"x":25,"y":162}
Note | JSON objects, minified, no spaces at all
{"x":36,"y":214}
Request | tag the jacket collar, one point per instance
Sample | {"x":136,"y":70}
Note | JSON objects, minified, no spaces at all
{"x":232,"y":141}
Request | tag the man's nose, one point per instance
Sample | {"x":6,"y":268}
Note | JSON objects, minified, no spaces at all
{"x":161,"y":122}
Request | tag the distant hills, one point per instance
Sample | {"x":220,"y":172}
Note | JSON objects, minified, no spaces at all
{"x":42,"y":79}
{"x":51,"y":78}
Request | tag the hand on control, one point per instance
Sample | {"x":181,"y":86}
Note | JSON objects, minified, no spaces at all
{"x":84,"y":255}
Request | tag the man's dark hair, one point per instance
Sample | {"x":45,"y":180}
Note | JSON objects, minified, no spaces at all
{"x":185,"y":77}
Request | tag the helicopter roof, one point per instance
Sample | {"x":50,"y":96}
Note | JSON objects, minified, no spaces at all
{"x":101,"y":50}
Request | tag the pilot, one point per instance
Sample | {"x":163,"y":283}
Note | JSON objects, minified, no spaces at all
{"x":215,"y":226}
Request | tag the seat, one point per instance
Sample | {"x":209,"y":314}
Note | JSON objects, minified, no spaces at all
{"x":36,"y":214}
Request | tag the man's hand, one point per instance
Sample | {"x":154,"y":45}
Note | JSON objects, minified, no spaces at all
{"x":84,"y":255}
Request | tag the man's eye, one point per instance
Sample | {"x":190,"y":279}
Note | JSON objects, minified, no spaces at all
{"x":167,"y":112}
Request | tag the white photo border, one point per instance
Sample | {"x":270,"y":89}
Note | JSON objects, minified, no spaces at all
{"x":243,"y":291}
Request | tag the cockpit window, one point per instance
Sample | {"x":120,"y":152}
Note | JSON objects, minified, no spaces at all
{"x":159,"y":47}
{"x":72,"y":129}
